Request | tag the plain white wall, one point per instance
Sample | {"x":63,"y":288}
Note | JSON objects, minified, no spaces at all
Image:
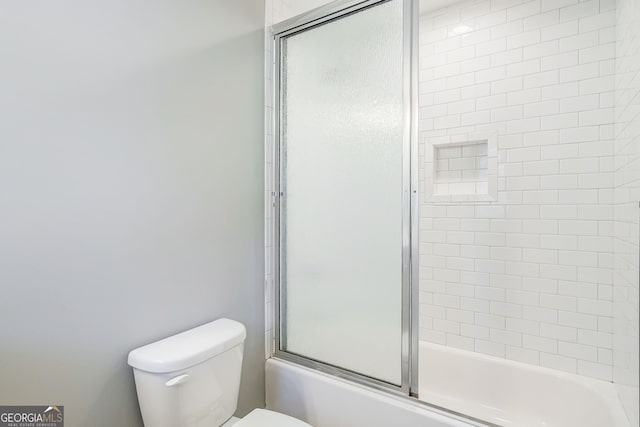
{"x":131,"y":192}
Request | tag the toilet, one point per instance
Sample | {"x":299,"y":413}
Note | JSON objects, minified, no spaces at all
{"x":192,"y":379}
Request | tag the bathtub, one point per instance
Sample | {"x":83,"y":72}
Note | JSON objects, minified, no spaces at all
{"x":326,"y":401}
{"x":498,"y":391}
{"x":511,"y":393}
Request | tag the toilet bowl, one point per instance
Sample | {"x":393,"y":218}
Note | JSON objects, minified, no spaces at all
{"x":192,"y":379}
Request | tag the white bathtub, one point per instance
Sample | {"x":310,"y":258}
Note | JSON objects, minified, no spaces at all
{"x":499,"y":391}
{"x":325,"y":401}
{"x":510,"y":393}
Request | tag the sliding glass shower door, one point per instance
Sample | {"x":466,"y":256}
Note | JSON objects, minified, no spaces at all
{"x":344,"y":191}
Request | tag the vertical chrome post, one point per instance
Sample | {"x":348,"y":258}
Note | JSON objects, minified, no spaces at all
{"x":413,"y":12}
{"x":277,"y":198}
{"x":407,"y":198}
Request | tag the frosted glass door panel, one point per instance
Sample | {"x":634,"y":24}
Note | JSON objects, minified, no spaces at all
{"x":341,"y":217}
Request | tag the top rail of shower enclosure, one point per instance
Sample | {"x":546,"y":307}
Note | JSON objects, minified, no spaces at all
{"x":409,"y":351}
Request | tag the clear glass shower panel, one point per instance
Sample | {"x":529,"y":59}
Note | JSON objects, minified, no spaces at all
{"x":342,"y":180}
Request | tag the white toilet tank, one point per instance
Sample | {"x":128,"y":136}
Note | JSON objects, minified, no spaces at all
{"x":190,"y":379}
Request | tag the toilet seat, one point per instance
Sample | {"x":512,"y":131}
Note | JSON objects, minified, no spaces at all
{"x":266,"y":418}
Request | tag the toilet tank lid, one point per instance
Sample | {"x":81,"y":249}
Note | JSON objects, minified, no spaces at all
{"x":188,"y":348}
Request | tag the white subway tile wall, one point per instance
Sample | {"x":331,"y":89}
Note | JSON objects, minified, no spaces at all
{"x":528,"y":277}
{"x":626,"y":198}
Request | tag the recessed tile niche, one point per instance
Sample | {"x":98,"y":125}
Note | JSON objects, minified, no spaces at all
{"x":461,"y":170}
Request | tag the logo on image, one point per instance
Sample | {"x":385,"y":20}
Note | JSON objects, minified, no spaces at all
{"x":32,"y":416}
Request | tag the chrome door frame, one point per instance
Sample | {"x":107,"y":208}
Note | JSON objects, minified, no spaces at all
{"x":410,"y":290}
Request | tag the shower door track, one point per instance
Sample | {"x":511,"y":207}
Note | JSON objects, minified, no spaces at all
{"x":409,"y":347}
